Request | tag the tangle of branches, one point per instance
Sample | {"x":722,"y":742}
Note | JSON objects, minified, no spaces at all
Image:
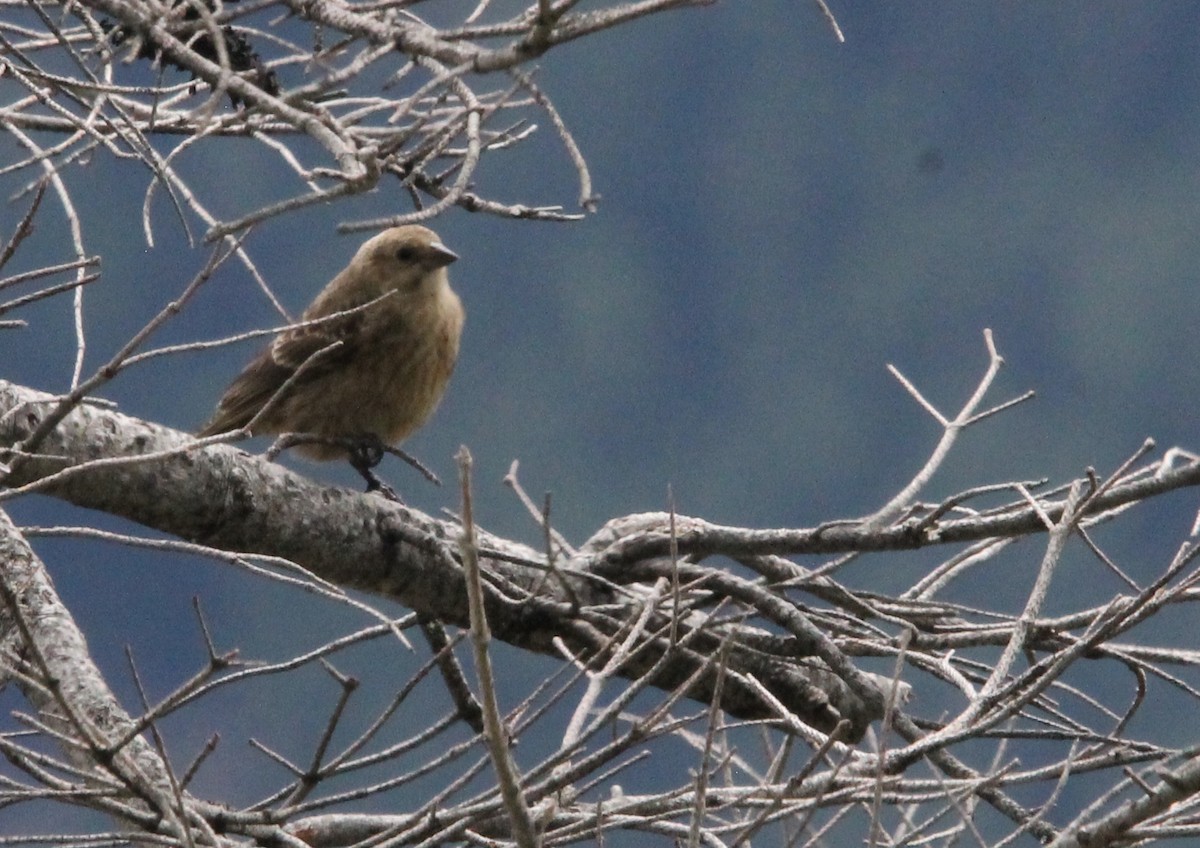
{"x":712,"y":685}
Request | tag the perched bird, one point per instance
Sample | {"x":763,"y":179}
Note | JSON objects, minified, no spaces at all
{"x":375,"y":374}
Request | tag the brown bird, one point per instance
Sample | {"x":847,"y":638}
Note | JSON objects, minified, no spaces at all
{"x":376,"y":374}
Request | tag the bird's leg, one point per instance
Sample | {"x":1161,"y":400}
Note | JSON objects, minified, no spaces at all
{"x":365,"y":454}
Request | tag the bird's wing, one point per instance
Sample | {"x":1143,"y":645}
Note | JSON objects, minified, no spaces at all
{"x":248,"y":393}
{"x":294,"y":348}
{"x":307,"y":347}
{"x":319,"y":349}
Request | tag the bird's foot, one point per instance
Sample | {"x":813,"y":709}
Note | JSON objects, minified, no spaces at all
{"x":366,"y":453}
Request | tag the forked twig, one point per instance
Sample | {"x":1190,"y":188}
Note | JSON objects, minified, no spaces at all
{"x":951,"y":430}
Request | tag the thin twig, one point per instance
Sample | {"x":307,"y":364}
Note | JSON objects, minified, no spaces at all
{"x":519,"y":816}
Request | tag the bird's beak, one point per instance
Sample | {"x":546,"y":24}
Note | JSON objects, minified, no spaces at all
{"x":439,"y":256}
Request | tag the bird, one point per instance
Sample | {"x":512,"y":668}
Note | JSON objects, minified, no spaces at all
{"x":362,"y":380}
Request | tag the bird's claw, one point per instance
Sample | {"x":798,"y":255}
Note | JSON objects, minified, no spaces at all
{"x":367,"y":453}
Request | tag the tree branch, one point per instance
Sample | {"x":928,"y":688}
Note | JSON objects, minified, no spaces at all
{"x":222,"y":497}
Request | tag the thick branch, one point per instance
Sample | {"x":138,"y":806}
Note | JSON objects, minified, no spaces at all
{"x":697,"y":538}
{"x":225,"y":498}
{"x":57,"y":676}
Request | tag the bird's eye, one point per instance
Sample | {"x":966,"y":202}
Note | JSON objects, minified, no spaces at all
{"x":407,"y":253}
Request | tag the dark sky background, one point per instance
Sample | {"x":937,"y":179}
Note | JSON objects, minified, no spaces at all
{"x":782,"y":217}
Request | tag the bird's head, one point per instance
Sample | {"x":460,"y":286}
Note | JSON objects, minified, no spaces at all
{"x":408,"y":258}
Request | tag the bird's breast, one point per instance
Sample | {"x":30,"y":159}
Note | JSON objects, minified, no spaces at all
{"x":390,"y":382}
